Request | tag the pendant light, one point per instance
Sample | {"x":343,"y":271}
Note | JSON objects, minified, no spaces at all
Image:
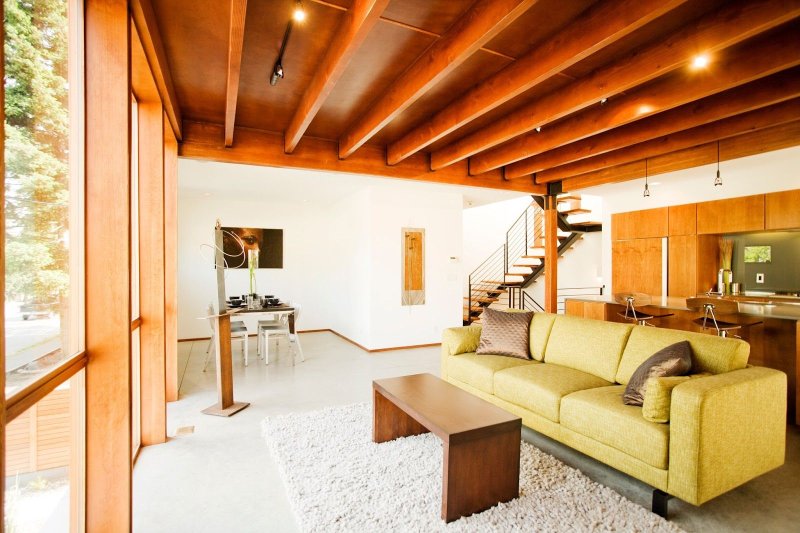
{"x":646,"y":187}
{"x":718,"y":179}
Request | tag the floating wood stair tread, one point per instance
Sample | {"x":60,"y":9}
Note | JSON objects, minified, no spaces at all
{"x":567,"y":198}
{"x":531,"y":257}
{"x":503,"y":282}
{"x":577,"y":211}
{"x":586,"y":223}
{"x":482,"y":299}
{"x":475,"y":308}
{"x":523,"y":265}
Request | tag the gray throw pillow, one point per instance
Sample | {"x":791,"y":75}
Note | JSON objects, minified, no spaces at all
{"x":673,"y":360}
{"x":505,"y":333}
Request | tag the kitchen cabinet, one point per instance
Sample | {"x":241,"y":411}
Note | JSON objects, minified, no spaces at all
{"x":733,"y":215}
{"x":643,"y":224}
{"x":782,"y":210}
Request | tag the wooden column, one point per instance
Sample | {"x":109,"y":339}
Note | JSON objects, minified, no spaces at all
{"x":171,"y":260}
{"x":108,"y":279}
{"x":550,"y":255}
{"x":151,"y":272}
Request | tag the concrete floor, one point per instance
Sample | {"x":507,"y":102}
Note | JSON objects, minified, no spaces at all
{"x":221,"y":477}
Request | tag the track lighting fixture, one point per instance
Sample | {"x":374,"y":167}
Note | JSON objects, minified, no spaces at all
{"x":718,"y":179}
{"x":646,"y":187}
{"x":298,"y":15}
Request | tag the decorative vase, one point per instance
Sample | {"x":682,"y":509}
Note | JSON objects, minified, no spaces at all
{"x":727,"y":279}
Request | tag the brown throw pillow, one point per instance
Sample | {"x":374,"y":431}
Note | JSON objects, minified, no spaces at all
{"x":673,"y":360}
{"x":505,"y":333}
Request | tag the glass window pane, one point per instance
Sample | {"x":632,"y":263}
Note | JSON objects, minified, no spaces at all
{"x":43,"y":188}
{"x":43,"y":466}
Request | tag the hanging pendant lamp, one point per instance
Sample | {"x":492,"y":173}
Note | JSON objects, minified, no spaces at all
{"x":718,"y":179}
{"x":646,"y":187}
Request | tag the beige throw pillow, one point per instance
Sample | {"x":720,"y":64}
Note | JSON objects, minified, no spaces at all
{"x":673,"y":360}
{"x":505,"y":333}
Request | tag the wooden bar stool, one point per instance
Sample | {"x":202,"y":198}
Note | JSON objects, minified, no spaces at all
{"x":710,"y":308}
{"x":630,"y":300}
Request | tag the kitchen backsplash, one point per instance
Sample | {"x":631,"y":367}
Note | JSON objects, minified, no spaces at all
{"x":782,"y":274}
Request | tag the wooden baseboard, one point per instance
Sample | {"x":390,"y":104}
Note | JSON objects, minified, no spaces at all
{"x":351,"y":341}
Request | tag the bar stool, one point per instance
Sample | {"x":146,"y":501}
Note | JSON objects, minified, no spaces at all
{"x":630,"y":300}
{"x":710,"y":307}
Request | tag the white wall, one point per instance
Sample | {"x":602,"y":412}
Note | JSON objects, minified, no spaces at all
{"x":485,"y":229}
{"x":762,"y":173}
{"x":342,"y":249}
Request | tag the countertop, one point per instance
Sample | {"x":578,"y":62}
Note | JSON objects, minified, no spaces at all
{"x":788,"y":310}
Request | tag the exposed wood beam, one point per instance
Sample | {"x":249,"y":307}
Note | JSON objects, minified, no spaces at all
{"x":205,"y":141}
{"x":549,"y":166}
{"x":357,"y":23}
{"x":235,"y":45}
{"x":766,"y":140}
{"x":484,"y":20}
{"x":730,"y":127}
{"x":145,"y":20}
{"x":767,"y":56}
{"x":599,"y":26}
{"x":711,"y":33}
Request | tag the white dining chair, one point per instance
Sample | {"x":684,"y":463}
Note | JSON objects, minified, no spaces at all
{"x":279,"y":327}
{"x":238,"y":333}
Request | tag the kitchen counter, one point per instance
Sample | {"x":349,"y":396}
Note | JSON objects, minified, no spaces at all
{"x":787,"y":308}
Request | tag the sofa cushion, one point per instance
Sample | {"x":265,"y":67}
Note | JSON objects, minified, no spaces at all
{"x":539,"y":388}
{"x":600,"y":415}
{"x":541,"y":324}
{"x":672,"y":360}
{"x":505,"y":333}
{"x":478,"y":369}
{"x":462,"y":339}
{"x":592,"y":346}
{"x":709,"y":352}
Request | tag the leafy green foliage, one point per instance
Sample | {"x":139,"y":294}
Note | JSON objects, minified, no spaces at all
{"x":37,"y":148}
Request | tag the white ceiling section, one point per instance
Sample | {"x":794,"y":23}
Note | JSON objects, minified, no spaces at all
{"x":230,"y":181}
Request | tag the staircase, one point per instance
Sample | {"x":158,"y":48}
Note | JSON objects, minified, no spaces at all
{"x":501,"y":278}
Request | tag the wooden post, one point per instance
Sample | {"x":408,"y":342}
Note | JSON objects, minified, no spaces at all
{"x":171,"y":260}
{"x":151,"y":249}
{"x":225,"y":405}
{"x":550,"y":254}
{"x":108,"y":258}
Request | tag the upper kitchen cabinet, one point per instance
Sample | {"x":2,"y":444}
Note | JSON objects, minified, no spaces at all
{"x":644,"y":224}
{"x":683,"y":219}
{"x":733,"y":215}
{"x":783,"y":210}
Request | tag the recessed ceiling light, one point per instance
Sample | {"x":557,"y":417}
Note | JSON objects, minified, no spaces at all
{"x":603,"y":101}
{"x":538,"y":129}
{"x":700,"y":61}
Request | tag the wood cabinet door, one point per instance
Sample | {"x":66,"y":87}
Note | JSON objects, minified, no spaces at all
{"x":682,"y":266}
{"x":782,"y":210}
{"x":732,"y":215}
{"x":636,"y":266}
{"x":683,"y":219}
{"x":640,"y":224}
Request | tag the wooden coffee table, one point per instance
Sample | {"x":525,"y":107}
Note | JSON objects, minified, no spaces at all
{"x":481,"y":441}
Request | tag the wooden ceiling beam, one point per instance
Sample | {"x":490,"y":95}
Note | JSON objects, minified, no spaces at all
{"x":549,"y":166}
{"x":759,"y":59}
{"x":235,"y":45}
{"x":711,"y":33}
{"x":599,"y":26}
{"x":761,"y":141}
{"x":256,"y":147}
{"x":144,"y":19}
{"x":357,"y":23}
{"x":755,"y":120}
{"x":484,"y":20}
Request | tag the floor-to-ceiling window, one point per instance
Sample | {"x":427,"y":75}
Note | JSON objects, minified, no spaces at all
{"x":43,"y":264}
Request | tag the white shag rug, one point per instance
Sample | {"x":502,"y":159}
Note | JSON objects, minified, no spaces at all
{"x":339,"y":480}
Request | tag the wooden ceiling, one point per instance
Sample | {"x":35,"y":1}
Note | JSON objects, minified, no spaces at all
{"x":509,"y":94}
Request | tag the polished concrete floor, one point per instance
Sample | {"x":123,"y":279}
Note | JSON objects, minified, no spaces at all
{"x":220,"y":477}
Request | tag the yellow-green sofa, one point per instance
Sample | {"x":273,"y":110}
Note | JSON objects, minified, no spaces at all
{"x":724,"y":429}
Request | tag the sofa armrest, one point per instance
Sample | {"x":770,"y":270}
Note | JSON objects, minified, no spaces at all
{"x":458,"y":340}
{"x":725,"y":430}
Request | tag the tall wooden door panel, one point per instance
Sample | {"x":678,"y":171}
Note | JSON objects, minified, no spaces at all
{"x":682,"y":266}
{"x":636,"y":266}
